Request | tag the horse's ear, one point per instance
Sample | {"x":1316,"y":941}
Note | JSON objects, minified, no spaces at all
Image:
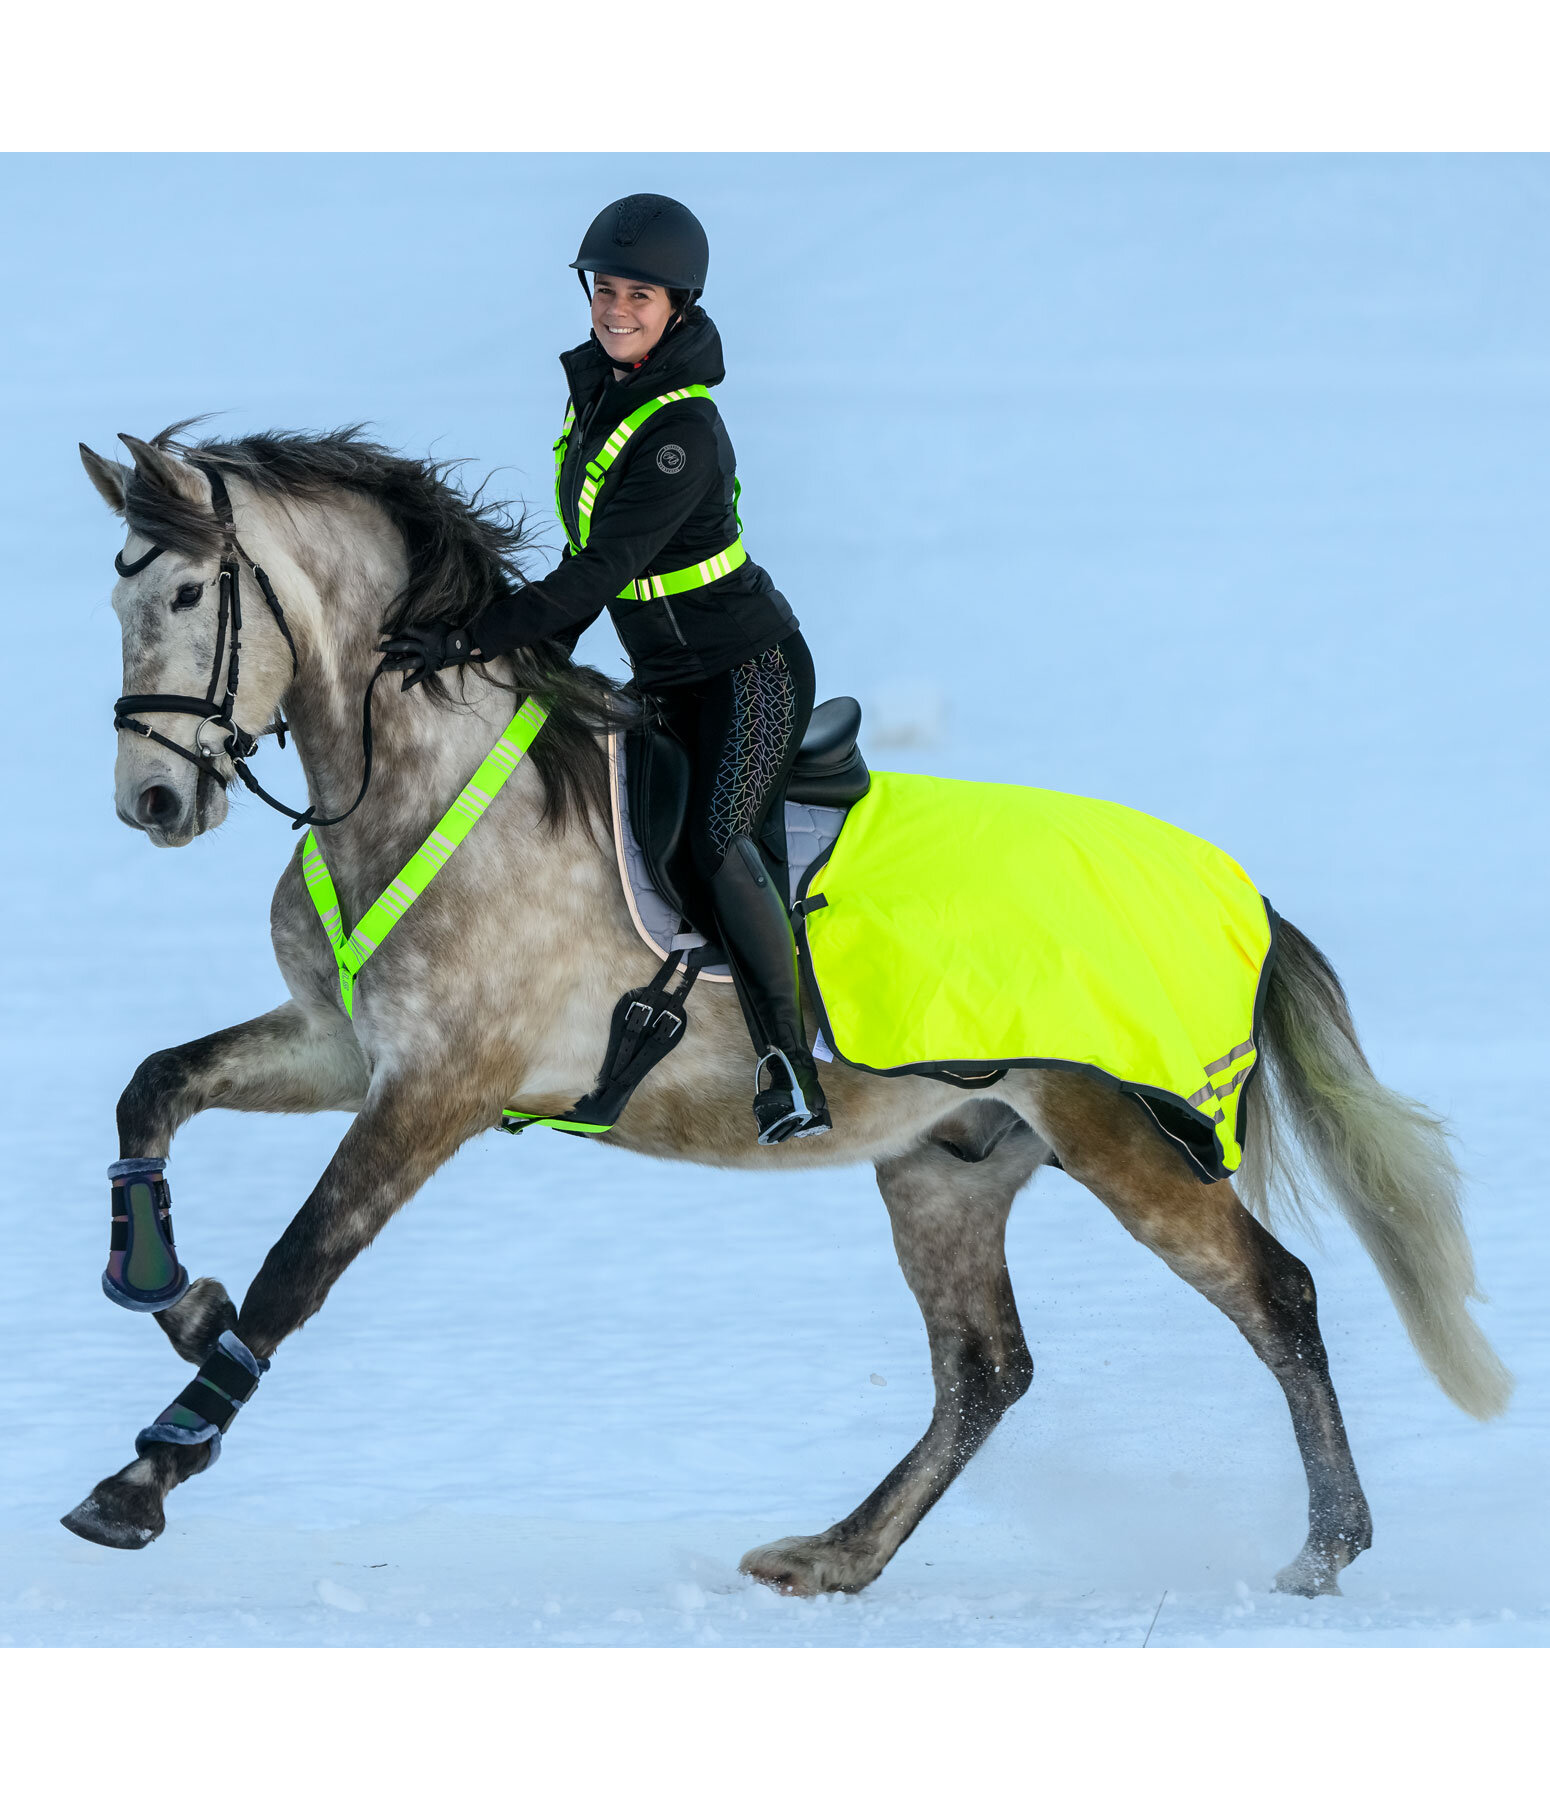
{"x":108,"y":478}
{"x":164,"y":470}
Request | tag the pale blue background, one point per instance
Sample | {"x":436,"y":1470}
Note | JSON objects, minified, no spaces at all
{"x":1211,"y":484}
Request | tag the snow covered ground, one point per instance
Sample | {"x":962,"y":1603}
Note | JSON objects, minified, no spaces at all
{"x":1211,"y":485}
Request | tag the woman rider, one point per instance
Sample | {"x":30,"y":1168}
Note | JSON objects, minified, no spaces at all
{"x":712,"y":642}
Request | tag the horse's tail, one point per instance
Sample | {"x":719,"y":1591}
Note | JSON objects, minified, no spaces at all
{"x":1384,"y":1161}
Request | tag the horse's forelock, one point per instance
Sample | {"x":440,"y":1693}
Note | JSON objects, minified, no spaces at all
{"x":169,"y":518}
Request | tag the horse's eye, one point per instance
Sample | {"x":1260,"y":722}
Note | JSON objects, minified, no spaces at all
{"x":188,"y":596}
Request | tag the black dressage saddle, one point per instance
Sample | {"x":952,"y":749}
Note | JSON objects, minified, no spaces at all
{"x":829,"y":771}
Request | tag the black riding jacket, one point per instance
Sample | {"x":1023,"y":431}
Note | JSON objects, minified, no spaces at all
{"x":666,"y":504}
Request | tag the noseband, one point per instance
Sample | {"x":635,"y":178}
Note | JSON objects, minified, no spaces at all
{"x":238,"y":745}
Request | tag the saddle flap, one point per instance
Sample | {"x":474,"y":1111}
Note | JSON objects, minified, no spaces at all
{"x":657,"y":776}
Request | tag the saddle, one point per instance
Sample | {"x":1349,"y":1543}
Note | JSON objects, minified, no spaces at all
{"x":651,"y":804}
{"x":829,"y":772}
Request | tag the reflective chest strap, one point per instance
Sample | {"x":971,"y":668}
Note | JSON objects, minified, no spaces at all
{"x":351,"y":952}
{"x":648,"y":587}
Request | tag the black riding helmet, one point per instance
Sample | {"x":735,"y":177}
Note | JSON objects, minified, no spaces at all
{"x":647,"y":237}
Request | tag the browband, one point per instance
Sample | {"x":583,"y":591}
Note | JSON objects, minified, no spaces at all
{"x":140,"y":562}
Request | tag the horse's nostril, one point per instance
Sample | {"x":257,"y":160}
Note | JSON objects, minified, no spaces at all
{"x":157,"y":806}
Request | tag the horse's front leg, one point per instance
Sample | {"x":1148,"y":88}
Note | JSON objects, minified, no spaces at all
{"x":288,"y":1060}
{"x":409,"y":1125}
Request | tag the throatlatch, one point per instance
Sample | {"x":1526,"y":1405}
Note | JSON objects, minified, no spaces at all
{"x":647,"y":1023}
{"x":143,"y":1271}
{"x":227,"y":1380}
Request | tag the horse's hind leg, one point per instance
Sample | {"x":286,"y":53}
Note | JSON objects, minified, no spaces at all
{"x":1201,"y":1231}
{"x":284,"y":1061}
{"x":948,"y":1200}
{"x":407,"y":1129}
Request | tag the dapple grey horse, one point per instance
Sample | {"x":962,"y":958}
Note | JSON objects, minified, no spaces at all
{"x":496,"y":990}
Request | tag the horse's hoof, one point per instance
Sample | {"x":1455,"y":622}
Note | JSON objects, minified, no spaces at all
{"x":807,"y":1566}
{"x":1308,"y":1576}
{"x":119,"y":1514}
{"x":195,"y":1322}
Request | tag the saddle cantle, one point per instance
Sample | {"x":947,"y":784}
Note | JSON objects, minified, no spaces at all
{"x":829,"y":771}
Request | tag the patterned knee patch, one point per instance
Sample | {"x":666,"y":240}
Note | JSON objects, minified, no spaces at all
{"x":764,"y":700}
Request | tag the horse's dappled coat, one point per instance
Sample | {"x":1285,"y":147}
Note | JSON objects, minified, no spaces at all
{"x":496,"y":987}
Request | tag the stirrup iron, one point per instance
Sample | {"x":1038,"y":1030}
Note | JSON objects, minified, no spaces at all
{"x":783,"y":1112}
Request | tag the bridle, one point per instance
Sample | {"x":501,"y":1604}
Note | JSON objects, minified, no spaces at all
{"x":238,"y":744}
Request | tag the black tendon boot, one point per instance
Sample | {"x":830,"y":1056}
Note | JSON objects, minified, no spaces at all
{"x":755,"y":932}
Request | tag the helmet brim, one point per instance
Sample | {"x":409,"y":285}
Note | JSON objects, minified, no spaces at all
{"x":592,"y":265}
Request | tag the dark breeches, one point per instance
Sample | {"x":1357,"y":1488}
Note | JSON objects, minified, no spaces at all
{"x":743,"y":729}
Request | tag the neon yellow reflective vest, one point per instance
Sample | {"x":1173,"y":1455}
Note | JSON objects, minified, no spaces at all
{"x":647,"y":587}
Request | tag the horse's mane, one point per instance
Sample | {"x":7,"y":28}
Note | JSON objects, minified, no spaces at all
{"x":463,"y":552}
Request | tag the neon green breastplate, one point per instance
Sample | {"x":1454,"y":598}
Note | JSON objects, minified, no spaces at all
{"x":416,"y":875}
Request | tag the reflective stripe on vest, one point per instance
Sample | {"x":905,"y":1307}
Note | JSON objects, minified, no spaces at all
{"x":647,"y":587}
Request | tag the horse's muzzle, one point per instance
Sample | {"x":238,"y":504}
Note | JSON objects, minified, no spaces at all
{"x":158,"y":806}
{"x":170,"y":812}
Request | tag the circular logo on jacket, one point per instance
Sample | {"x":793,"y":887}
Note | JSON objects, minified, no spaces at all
{"x":671,"y":459}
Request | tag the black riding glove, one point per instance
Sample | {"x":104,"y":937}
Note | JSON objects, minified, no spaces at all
{"x":424,"y":649}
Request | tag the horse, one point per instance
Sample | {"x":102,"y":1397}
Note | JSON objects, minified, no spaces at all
{"x":496,"y":989}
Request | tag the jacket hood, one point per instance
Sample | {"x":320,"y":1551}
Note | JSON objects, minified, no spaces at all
{"x":691,"y":354}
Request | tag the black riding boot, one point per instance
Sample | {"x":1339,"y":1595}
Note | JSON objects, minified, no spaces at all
{"x":755,"y":932}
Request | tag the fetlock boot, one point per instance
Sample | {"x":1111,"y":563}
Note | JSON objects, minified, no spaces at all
{"x":755,"y":932}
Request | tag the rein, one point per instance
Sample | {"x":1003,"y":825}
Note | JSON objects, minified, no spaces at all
{"x":239,"y":745}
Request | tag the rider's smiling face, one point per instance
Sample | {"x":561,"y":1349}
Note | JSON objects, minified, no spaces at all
{"x":629,"y":317}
